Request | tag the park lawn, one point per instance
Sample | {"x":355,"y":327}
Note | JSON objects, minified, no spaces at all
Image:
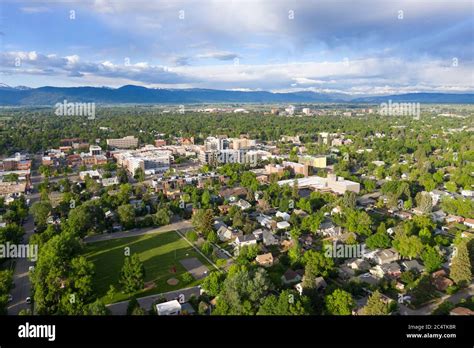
{"x":159,"y":253}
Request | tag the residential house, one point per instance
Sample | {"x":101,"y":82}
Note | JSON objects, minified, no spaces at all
{"x":469,"y":222}
{"x":328,"y":229}
{"x":345,"y":272}
{"x":441,"y":281}
{"x":258,"y":234}
{"x":224,"y":233}
{"x":368,"y":278}
{"x":290,"y":277}
{"x":404,"y":215}
{"x":386,"y":256}
{"x":266,"y":221}
{"x":301,"y":213}
{"x":413,"y":265}
{"x":223,"y":209}
{"x":245,"y":240}
{"x":461,"y":311}
{"x":110,"y":181}
{"x":358,"y":264}
{"x":218,"y":224}
{"x":282,"y":225}
{"x":392,"y":270}
{"x":438,"y":216}
{"x":283,"y":215}
{"x":454,"y":218}
{"x":269,"y":238}
{"x":265,"y":260}
{"x":319,"y":284}
{"x":243,"y":204}
{"x":232,"y":192}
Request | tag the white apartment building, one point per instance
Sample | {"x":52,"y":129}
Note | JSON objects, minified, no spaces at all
{"x":332,"y":182}
{"x":146,"y":158}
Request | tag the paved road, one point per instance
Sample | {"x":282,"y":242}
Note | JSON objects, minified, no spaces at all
{"x":37,"y":179}
{"x":22,"y":286}
{"x":21,"y":280}
{"x":429,"y":308}
{"x":180,"y":225}
{"x":120,"y":308}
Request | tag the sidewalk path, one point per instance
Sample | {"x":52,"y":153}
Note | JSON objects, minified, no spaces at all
{"x":180,"y":225}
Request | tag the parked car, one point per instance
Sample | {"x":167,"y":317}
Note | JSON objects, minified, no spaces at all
{"x":28,"y":300}
{"x":10,"y":298}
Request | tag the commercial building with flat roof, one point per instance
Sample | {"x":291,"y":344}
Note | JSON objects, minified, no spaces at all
{"x":128,"y":142}
{"x":332,"y":182}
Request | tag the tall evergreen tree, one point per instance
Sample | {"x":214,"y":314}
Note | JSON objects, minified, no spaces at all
{"x":461,"y":265}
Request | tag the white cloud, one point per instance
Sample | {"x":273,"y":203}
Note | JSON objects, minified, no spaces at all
{"x":369,"y":76}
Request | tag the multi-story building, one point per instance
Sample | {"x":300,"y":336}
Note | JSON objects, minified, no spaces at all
{"x":331,"y":183}
{"x":146,"y":158}
{"x":18,"y":162}
{"x":213,"y":143}
{"x":313,"y":161}
{"x":95,"y":150}
{"x":296,"y":168}
{"x":128,"y":142}
{"x":243,"y":143}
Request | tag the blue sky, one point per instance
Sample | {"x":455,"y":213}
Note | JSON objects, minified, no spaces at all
{"x":357,"y":47}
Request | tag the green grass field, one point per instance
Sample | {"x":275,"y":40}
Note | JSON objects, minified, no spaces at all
{"x":159,"y":254}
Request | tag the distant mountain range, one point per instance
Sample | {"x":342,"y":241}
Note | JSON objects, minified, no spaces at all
{"x":21,"y":95}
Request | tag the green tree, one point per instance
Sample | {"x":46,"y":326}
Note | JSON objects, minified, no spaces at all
{"x":203,"y":220}
{"x":162,"y":217}
{"x":192,"y":236}
{"x":126,"y":215}
{"x":80,"y":220}
{"x":243,"y":291}
{"x":55,"y":272}
{"x":378,"y":240}
{"x":248,"y":252}
{"x":432,"y":259}
{"x":97,"y":308}
{"x":132,"y":275}
{"x":11,"y":233}
{"x":139,"y":175}
{"x":207,"y":248}
{"x":206,"y":199}
{"x":340,"y":302}
{"x":312,"y":222}
{"x":375,"y":305}
{"x":187,"y":278}
{"x":316,"y":265}
{"x":407,"y":246}
{"x":358,"y":222}
{"x":212,"y":284}
{"x":349,"y":199}
{"x":424,"y":202}
{"x":111,"y":292}
{"x":41,"y":211}
{"x":287,"y":303}
{"x":212,"y":237}
{"x":460,"y":270}
{"x":451,"y":186}
{"x":6,"y":281}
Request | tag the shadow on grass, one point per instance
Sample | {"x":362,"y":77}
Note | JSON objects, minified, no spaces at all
{"x":159,"y":254}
